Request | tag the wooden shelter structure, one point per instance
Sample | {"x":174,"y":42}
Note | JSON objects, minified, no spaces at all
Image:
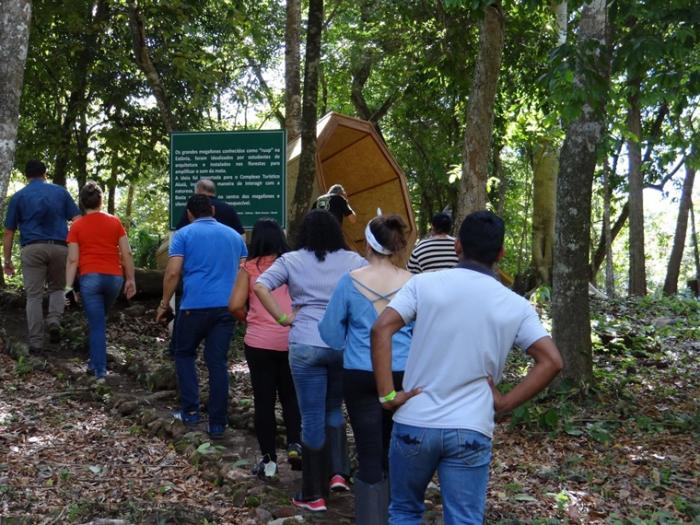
{"x":350,"y":152}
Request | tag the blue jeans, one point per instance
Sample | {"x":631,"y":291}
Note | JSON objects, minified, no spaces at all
{"x":98,"y":291}
{"x":461,"y":458}
{"x":318,"y":380}
{"x":214,"y":326}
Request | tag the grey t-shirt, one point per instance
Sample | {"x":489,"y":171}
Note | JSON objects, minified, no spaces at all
{"x":311,"y":283}
{"x":466,"y":322}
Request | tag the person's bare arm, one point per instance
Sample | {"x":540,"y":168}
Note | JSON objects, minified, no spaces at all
{"x":72,"y":263}
{"x":548,"y":363}
{"x":239,"y":296}
{"x":388,"y":323}
{"x":128,"y":265}
{"x":7,"y":239}
{"x":272,"y":306}
{"x":170,"y":280}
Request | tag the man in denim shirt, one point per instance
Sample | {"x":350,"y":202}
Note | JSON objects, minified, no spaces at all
{"x":466,"y":323}
{"x":40,"y":211}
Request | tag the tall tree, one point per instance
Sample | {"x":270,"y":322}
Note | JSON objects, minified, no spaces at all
{"x":674,"y":262}
{"x":480,"y":111}
{"x":637,"y":270}
{"x":292,"y":70}
{"x":307,"y":159}
{"x":577,"y":162}
{"x":144,"y":61}
{"x":15,"y":16}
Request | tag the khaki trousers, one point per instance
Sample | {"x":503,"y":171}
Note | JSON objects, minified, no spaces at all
{"x":43,"y":264}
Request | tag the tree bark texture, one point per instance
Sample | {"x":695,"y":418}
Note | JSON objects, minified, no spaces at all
{"x":606,"y":235}
{"x":15,"y":17}
{"x":577,"y":162}
{"x":637,"y":270}
{"x":696,"y":251}
{"x":480,"y":109}
{"x":545,"y":165}
{"x":674,"y":261}
{"x":143,"y":60}
{"x":292,"y":70}
{"x":77,"y":101}
{"x":307,"y":159}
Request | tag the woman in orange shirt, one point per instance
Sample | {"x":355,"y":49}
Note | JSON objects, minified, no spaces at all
{"x":97,"y":243}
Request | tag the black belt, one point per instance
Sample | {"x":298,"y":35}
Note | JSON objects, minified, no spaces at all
{"x":46,"y":241}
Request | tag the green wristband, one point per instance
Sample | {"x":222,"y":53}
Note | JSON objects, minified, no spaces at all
{"x":68,"y":289}
{"x":283,"y":319}
{"x":389,"y":397}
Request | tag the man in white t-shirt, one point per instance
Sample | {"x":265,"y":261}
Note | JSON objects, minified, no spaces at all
{"x":466,"y":322}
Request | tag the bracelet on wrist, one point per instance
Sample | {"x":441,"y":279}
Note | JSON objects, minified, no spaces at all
{"x":162,"y":306}
{"x":282,"y":319}
{"x":68,"y":289}
{"x":389,"y":397}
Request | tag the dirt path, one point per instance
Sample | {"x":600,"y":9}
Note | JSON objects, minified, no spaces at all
{"x":71,"y":452}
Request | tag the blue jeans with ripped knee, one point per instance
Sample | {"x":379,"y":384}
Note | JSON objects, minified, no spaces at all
{"x":461,"y":458}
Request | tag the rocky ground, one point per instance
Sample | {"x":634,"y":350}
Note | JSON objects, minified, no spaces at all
{"x":75,"y":452}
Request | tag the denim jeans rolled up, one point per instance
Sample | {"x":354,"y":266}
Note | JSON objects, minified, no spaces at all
{"x":98,"y":291}
{"x":214,"y":326}
{"x":318,"y":380}
{"x":462,"y":459}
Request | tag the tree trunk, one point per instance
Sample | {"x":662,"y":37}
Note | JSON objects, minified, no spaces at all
{"x":292,"y":71}
{"x":81,"y":140}
{"x":606,"y":234}
{"x":112,"y":184}
{"x":129,"y":206}
{"x":545,"y":165}
{"x":637,"y":275}
{"x":143,"y":60}
{"x":696,"y":252}
{"x":77,"y":103}
{"x":307,"y":160}
{"x":577,"y":161}
{"x":502,"y":177}
{"x":15,"y":17}
{"x":477,"y":140}
{"x":674,"y":262}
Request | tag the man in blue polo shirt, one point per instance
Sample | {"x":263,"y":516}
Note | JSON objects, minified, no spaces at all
{"x":206,"y":254}
{"x":465,"y":324}
{"x":40,"y":211}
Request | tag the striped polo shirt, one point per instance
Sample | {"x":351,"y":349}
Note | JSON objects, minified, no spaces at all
{"x":434,"y":253}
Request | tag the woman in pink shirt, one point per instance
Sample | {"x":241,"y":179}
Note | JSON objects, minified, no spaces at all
{"x":266,"y":349}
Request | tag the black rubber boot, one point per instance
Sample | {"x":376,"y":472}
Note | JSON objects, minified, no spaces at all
{"x":338,"y":460}
{"x":371,"y":502}
{"x":314,"y":487}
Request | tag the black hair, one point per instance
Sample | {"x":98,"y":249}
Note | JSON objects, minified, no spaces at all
{"x":320,"y":233}
{"x":442,"y":223}
{"x":90,"y":196}
{"x":481,"y":236}
{"x":267,"y":239}
{"x":35,"y":168}
{"x":199,"y":205}
{"x":389,"y":230}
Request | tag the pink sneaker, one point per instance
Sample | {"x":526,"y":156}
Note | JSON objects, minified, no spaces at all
{"x":339,"y":484}
{"x":314,"y":505}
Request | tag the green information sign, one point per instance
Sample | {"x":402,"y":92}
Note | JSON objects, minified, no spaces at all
{"x":248,"y":168}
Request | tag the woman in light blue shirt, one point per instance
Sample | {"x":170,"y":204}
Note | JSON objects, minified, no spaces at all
{"x":359,"y":298}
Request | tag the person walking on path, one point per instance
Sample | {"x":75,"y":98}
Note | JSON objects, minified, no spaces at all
{"x":206,"y":254}
{"x":311,"y":273}
{"x":266,"y":345}
{"x":336,"y":202}
{"x":223,"y":212}
{"x":99,"y":246}
{"x":359,"y":298}
{"x":466,"y":322}
{"x":437,"y":252}
{"x":40,"y":211}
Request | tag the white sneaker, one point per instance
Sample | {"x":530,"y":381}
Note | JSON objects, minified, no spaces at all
{"x":265,"y":471}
